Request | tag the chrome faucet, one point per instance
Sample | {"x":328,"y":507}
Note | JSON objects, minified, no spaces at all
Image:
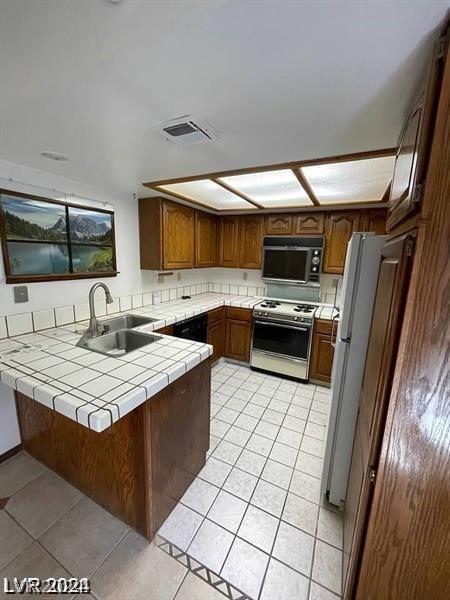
{"x":94,"y":329}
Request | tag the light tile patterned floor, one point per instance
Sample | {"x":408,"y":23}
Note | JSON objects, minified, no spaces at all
{"x":255,"y":515}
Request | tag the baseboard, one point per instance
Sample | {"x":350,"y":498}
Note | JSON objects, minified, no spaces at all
{"x":10,"y":453}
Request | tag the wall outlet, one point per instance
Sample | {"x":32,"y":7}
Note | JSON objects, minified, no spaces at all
{"x":245,"y":276}
{"x":20,"y":293}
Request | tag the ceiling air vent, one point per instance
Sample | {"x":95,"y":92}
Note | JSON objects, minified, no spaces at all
{"x":187,"y":130}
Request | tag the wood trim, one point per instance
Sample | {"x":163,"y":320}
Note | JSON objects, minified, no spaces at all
{"x":10,"y":453}
{"x":305,"y":185}
{"x":188,"y":199}
{"x":237,"y":193}
{"x":278,"y":166}
{"x":65,"y":277}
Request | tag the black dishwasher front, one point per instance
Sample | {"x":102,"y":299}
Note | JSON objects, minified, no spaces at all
{"x":192,"y":329}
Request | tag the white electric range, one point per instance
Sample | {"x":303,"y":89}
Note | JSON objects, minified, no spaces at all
{"x":282,"y":335}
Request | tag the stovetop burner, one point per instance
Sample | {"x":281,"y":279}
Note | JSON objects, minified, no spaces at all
{"x":305,"y":308}
{"x":270,"y":304}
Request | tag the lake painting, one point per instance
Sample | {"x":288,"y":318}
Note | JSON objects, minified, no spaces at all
{"x":41,"y":241}
{"x":38,"y":259}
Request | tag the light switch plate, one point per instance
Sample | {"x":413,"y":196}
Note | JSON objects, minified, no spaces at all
{"x":20,"y":294}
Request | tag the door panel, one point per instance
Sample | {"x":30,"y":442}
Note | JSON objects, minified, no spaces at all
{"x":279,"y":225}
{"x":237,"y":339}
{"x":179,"y":236}
{"x":393,"y":280}
{"x":251,"y":241}
{"x":206,"y":242}
{"x":339,"y":227}
{"x":229,"y":242}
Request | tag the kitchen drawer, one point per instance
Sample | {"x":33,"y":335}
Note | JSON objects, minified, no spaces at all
{"x":242,"y":314}
{"x":215,"y":315}
{"x":322,"y":326}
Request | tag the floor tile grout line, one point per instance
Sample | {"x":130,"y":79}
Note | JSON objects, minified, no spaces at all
{"x":293,"y":469}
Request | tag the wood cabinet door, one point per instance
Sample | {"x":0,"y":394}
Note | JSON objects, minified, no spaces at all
{"x":229,"y":242}
{"x":393,"y":280}
{"x":237,"y":339}
{"x":215,"y":338}
{"x":374,"y":220}
{"x":279,"y":224}
{"x":206,"y":239}
{"x":178,"y":236}
{"x":251,"y":241}
{"x":308,"y":223}
{"x":339,"y":227}
{"x":178,"y":433}
{"x":321,"y":362}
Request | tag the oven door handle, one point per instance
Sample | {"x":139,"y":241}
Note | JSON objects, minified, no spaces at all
{"x":282,"y":326}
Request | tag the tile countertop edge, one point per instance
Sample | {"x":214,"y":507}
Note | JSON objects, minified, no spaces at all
{"x":30,"y":363}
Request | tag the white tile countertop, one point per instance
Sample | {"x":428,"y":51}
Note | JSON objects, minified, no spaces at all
{"x":96,"y":390}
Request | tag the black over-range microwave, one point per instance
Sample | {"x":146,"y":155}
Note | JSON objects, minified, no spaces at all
{"x":295,"y":260}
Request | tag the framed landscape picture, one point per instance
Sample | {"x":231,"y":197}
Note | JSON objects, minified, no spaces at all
{"x":44,"y":239}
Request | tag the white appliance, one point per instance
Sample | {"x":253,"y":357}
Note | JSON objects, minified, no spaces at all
{"x":282,"y":333}
{"x":359,"y":285}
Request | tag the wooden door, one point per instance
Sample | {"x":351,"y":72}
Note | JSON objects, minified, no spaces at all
{"x":215,"y":336}
{"x":237,"y":339}
{"x":339,"y":227}
{"x":307,"y":223}
{"x":178,"y":236}
{"x":392,"y":287}
{"x":322,"y":352}
{"x":374,"y":220}
{"x":229,"y":242}
{"x":206,"y":239}
{"x":279,"y":224}
{"x":251,"y":241}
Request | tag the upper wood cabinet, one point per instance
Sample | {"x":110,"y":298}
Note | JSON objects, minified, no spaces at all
{"x":228,"y":244}
{"x":339,"y":227}
{"x":251,"y":233}
{"x":414,"y":145}
{"x":179,"y":236}
{"x":166,"y":234}
{"x":374,"y":220}
{"x":206,"y":239}
{"x":305,"y":223}
{"x":279,"y":224}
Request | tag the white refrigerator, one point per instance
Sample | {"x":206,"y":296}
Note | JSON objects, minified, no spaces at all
{"x":359,"y":285}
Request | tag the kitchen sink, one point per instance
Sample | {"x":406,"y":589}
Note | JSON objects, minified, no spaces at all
{"x":124,"y":322}
{"x":119,"y":342}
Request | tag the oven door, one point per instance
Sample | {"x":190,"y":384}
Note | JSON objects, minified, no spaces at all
{"x":290,"y":341}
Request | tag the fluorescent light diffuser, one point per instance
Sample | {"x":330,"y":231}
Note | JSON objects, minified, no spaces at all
{"x":351,"y":182}
{"x":270,"y":189}
{"x":209,"y":193}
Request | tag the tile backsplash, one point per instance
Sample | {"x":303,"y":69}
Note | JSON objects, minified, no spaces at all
{"x":27,"y":322}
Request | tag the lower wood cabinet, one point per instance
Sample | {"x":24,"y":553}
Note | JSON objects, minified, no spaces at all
{"x":322,"y":352}
{"x":165,"y":330}
{"x":238,"y":332}
{"x":215,"y":332}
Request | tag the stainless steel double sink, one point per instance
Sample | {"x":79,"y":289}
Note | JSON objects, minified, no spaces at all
{"x":117,"y":336}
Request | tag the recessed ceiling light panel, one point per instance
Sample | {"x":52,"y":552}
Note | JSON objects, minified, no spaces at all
{"x":209,"y":193}
{"x":350,"y":182}
{"x":270,"y":189}
{"x":55,"y":156}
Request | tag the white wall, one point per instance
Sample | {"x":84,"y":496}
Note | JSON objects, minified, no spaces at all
{"x":43,"y":295}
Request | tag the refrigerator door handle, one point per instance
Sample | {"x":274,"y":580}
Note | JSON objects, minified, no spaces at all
{"x":333,"y":345}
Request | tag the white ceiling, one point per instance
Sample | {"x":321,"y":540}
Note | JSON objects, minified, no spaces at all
{"x":280,"y":80}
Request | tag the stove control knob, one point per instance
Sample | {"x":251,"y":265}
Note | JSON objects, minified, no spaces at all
{"x":315,"y":260}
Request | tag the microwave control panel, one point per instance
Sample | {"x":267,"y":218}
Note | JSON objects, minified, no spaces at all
{"x":315,"y":266}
